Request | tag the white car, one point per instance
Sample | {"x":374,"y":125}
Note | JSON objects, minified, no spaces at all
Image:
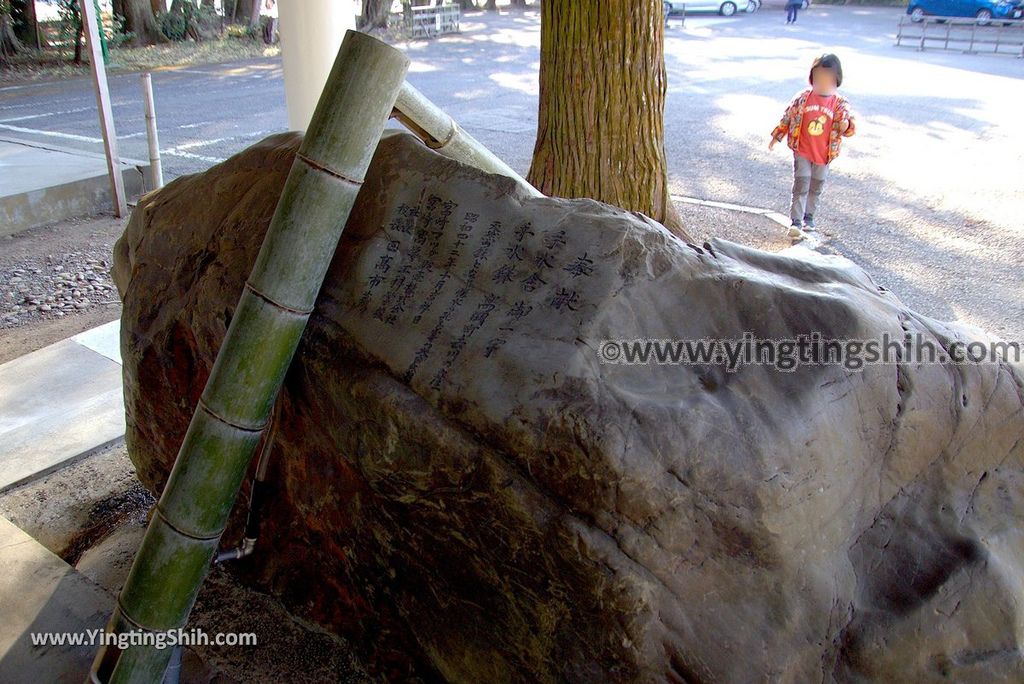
{"x":726,"y":8}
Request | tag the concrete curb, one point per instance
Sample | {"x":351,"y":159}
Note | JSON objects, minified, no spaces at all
{"x":809,"y":240}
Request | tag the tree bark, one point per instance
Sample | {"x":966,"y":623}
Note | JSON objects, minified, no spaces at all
{"x":79,"y":40}
{"x":374,"y":14}
{"x":141,"y":22}
{"x":23,"y":13}
{"x":9,"y":43}
{"x":600,"y":131}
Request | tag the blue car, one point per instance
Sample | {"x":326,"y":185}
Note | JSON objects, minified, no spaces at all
{"x":983,"y":10}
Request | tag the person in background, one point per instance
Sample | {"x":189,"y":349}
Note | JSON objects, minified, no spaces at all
{"x":814,"y":125}
{"x":792,"y":9}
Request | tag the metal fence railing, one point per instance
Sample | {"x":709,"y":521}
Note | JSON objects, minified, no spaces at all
{"x":1003,"y":36}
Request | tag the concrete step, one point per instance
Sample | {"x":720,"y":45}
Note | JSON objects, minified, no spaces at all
{"x":42,"y":595}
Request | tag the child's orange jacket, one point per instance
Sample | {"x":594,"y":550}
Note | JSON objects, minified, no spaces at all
{"x":792,"y":122}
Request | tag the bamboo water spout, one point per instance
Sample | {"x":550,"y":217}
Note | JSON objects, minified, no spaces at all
{"x":264,"y":332}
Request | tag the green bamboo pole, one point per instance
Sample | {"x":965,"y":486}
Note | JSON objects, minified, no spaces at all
{"x":264,"y":332}
{"x":440,"y":132}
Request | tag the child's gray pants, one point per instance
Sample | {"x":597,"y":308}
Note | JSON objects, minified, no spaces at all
{"x":808,"y":181}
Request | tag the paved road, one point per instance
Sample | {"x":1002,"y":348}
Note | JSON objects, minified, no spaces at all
{"x":927,"y":196}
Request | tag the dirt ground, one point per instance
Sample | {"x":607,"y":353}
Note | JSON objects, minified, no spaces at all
{"x":52,"y":64}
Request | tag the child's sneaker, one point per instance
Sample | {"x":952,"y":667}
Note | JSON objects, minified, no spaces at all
{"x":808,"y":222}
{"x":795,"y":231}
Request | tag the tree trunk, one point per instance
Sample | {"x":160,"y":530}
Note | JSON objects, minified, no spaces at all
{"x":23,"y":14}
{"x":9,"y":43}
{"x":600,"y":131}
{"x":141,"y":22}
{"x":492,"y":5}
{"x":374,"y":15}
{"x":246,"y":11}
{"x":79,"y":40}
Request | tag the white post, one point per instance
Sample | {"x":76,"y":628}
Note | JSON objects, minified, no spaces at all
{"x":156,"y":171}
{"x":311,"y":32}
{"x":99,"y":77}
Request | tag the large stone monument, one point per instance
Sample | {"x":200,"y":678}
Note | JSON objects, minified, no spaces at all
{"x":463,"y":485}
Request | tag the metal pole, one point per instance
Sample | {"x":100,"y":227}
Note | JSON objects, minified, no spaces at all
{"x":156,"y":172}
{"x":257,"y":350}
{"x":99,"y":77}
{"x":440,"y":133}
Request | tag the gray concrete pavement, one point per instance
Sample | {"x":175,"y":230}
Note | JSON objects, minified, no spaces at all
{"x":926,"y":196}
{"x":59,"y":404}
{"x":44,"y":183}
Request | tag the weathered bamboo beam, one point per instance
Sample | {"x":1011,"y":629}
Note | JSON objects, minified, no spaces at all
{"x":156,"y":171}
{"x":440,"y":132}
{"x":278,"y":297}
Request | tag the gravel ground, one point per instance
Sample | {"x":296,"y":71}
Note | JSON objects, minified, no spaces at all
{"x":55,"y":282}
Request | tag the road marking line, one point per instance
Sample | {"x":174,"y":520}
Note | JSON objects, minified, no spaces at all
{"x":53,"y":134}
{"x":26,"y":85}
{"x":60,"y":113}
{"x":188,"y":155}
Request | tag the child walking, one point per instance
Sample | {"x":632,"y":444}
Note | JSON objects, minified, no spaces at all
{"x":814,"y":125}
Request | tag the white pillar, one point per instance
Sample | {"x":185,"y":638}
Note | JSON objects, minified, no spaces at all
{"x":311,"y":32}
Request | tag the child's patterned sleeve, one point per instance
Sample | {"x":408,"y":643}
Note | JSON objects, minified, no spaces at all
{"x":848,"y":116}
{"x":780,"y":131}
{"x":853,"y":124}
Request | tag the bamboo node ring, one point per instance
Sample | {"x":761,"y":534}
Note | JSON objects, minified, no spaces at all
{"x":268,"y":300}
{"x":184,"y":533}
{"x":440,"y":145}
{"x":203,"y":405}
{"x":328,"y":170}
